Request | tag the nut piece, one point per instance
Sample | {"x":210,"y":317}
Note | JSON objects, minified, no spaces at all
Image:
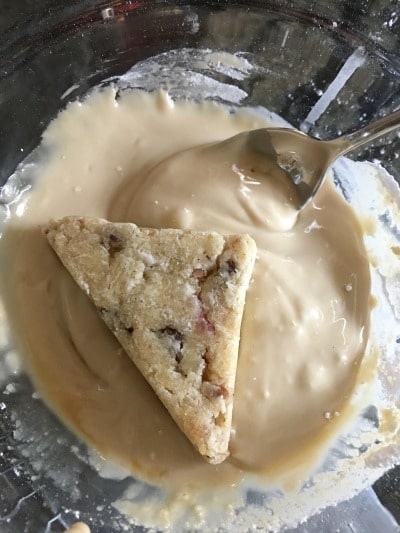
{"x":114,"y":244}
{"x":212,"y":391}
{"x":232,"y":266}
{"x":175,"y":340}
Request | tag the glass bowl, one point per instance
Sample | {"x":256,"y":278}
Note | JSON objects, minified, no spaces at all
{"x":325,"y":67}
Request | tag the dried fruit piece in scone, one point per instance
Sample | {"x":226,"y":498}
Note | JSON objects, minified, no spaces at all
{"x":174,"y":299}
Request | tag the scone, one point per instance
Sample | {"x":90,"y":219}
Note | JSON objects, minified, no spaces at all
{"x":174,"y":299}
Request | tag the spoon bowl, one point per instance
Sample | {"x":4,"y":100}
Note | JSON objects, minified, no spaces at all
{"x":306,"y":160}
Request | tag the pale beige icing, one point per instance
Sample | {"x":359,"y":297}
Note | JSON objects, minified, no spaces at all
{"x":78,"y":527}
{"x":307,"y":311}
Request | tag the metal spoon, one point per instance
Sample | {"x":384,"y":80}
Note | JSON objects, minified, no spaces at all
{"x":306,"y":159}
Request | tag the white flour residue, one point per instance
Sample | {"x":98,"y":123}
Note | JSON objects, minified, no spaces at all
{"x":191,"y":79}
{"x":192,"y":20}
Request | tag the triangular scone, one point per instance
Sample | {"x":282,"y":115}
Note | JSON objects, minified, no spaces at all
{"x":174,"y":299}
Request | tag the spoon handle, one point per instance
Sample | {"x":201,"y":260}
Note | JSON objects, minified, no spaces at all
{"x":364,"y":135}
